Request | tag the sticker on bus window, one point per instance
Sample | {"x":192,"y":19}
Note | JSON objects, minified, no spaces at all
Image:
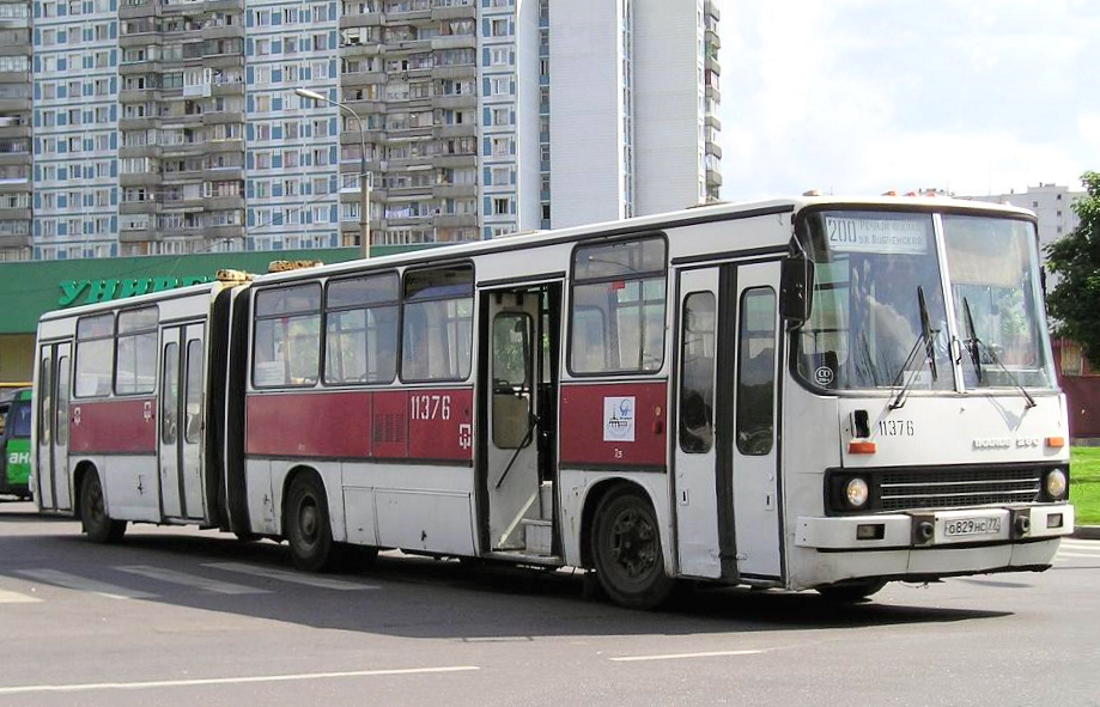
{"x":618,"y":419}
{"x":877,"y":235}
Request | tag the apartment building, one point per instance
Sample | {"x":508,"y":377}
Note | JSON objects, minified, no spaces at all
{"x":174,"y":127}
{"x":1051,"y":203}
{"x":15,"y":131}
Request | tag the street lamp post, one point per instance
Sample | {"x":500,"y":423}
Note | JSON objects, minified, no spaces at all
{"x":364,"y":177}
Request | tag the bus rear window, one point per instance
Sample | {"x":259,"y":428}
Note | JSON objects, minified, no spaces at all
{"x":618,"y":307}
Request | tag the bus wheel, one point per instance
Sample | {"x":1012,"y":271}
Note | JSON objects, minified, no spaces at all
{"x":626,"y":551}
{"x":851,"y":591}
{"x":307,"y":526}
{"x":97,"y":525}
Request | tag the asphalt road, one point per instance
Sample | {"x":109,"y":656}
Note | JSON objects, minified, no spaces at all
{"x":179,"y":616}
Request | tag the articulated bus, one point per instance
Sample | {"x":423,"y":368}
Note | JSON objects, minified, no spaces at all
{"x":813,"y":393}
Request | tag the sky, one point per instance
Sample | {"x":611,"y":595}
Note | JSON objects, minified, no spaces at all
{"x":862,"y":96}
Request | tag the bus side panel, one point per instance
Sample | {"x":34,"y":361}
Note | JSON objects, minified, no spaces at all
{"x":618,"y":425}
{"x":121,"y":426}
{"x":308,"y":425}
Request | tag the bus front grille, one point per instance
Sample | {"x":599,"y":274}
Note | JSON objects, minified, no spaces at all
{"x":912,"y":490}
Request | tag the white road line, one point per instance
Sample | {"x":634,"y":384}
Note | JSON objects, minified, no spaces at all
{"x":287,"y":576}
{"x":227,"y":681}
{"x":83,"y":584}
{"x":190,"y":580}
{"x":7,"y":597}
{"x":681,"y":656}
{"x":1091,"y":556}
{"x":1082,"y":544}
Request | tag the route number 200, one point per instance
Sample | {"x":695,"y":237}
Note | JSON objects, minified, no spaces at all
{"x":430,"y":407}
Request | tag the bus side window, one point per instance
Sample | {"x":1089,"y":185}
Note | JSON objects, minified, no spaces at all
{"x":756,"y":372}
{"x":697,"y":373}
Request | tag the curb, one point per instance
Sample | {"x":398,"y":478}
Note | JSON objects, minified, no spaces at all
{"x":1087,"y":532}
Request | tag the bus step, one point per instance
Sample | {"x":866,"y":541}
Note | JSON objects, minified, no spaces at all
{"x":538,"y":536}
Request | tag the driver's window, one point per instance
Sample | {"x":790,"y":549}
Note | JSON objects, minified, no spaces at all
{"x":511,"y":379}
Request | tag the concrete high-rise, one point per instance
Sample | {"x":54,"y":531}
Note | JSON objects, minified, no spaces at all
{"x":172,"y":126}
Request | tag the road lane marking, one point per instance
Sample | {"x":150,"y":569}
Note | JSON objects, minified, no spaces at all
{"x":288,"y":576}
{"x":83,"y":584}
{"x":190,"y":580}
{"x":7,"y":597}
{"x":82,"y":687}
{"x":681,"y":656}
{"x":1091,"y":556}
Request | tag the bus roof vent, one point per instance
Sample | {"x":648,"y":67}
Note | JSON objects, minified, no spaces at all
{"x":288,"y":265}
{"x":230,"y":275}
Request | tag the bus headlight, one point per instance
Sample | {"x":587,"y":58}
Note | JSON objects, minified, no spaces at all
{"x":856,"y":492}
{"x":1055,"y":485}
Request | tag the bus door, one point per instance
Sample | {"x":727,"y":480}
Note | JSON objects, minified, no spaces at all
{"x":52,"y":458}
{"x":696,"y":452}
{"x":181,"y":423}
{"x":518,"y":380}
{"x":755,"y":456}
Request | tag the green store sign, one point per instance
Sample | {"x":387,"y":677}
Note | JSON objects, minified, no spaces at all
{"x":74,"y":292}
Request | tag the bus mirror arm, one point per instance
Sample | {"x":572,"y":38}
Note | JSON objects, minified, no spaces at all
{"x":796,"y":283}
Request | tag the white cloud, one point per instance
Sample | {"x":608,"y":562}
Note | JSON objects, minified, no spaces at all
{"x":859,"y":96}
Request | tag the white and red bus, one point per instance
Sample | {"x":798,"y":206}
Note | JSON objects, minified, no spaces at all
{"x":815,"y":393}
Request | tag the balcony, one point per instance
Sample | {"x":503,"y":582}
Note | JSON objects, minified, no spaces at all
{"x":714,"y":149}
{"x":225,"y":203}
{"x":15,"y":131}
{"x":129,"y":11}
{"x":8,"y":159}
{"x":223,"y":174}
{"x":710,"y":7}
{"x":139,"y":151}
{"x":15,"y":214}
{"x":139,"y":235}
{"x":368,"y":19}
{"x":127,"y":208}
{"x":219,"y":117}
{"x":15,"y":105}
{"x":714,"y":178}
{"x":224,"y":61}
{"x":444,"y":161}
{"x":363,"y":78}
{"x":139,"y":95}
{"x":224,"y":145}
{"x":465,"y":100}
{"x":712,"y":121}
{"x":139,"y":179}
{"x":458,"y":12}
{"x":713,"y":65}
{"x":223,"y":31}
{"x":461,"y":71}
{"x":16,"y":240}
{"x":212,"y":6}
{"x":229,"y":88}
{"x":714,"y":94}
{"x":445,"y":131}
{"x":219,"y":232}
{"x":139,"y":67}
{"x":456,"y":41}
{"x":454,"y":191}
{"x":454,"y":220}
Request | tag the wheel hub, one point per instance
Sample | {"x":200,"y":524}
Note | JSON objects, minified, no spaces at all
{"x":633,"y":545}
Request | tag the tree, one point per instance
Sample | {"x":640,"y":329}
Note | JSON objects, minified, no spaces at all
{"x":1074,"y":303}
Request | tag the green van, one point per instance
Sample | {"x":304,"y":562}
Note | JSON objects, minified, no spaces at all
{"x":15,"y":446}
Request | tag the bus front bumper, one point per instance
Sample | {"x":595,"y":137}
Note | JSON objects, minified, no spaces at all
{"x":915,"y":530}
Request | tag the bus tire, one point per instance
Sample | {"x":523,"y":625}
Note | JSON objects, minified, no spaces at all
{"x":97,"y":525}
{"x":308,"y":529}
{"x":626,"y":550}
{"x":851,"y":591}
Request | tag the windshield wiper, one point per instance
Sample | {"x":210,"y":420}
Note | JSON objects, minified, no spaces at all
{"x":976,"y":345}
{"x":972,"y":340}
{"x":924,"y":337}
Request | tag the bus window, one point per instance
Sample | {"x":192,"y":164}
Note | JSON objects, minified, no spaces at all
{"x":63,"y":400}
{"x":45,"y":400}
{"x":193,"y":390}
{"x":95,"y":355}
{"x":697,"y":374}
{"x":361,"y":330}
{"x":286,"y":348}
{"x":625,"y":283}
{"x":511,"y":379}
{"x":437,"y":336}
{"x":137,"y":351}
{"x":169,"y":425}
{"x":756,"y":372}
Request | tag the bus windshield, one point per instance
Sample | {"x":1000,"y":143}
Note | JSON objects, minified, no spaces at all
{"x":880,"y":315}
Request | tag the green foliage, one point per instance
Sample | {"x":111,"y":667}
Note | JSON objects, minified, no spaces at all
{"x":1084,"y":488}
{"x":1075,"y":302}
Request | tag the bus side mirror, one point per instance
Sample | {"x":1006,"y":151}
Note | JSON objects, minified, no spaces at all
{"x":797,"y":281}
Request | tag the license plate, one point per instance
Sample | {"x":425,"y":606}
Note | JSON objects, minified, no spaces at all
{"x":971,"y":526}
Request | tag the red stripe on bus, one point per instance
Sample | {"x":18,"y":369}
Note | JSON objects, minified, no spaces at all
{"x":308,"y":425}
{"x":114,"y":427}
{"x":392,"y":424}
{"x":616,"y":424}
